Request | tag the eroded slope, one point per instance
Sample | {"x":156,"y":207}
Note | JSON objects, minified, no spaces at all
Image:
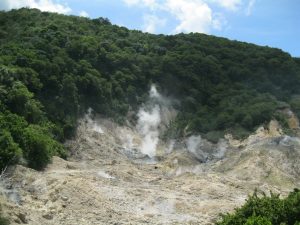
{"x":104,"y":182}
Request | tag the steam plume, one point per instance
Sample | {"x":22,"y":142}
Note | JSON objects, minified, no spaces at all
{"x":92,"y":124}
{"x":193,"y":146}
{"x":149,"y":119}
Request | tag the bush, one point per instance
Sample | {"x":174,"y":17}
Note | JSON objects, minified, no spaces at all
{"x":214,"y":136}
{"x":258,"y":220}
{"x":4,"y":221}
{"x":10,"y":151}
{"x":37,"y":149}
{"x":266,"y":210}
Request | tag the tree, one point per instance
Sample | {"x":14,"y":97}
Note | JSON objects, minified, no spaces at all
{"x":22,"y":102}
{"x":10,"y":151}
{"x":37,"y":147}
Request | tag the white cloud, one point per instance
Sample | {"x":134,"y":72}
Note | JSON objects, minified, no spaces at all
{"x":132,"y":2}
{"x":151,"y":4}
{"x":193,"y":15}
{"x":43,"y":5}
{"x":83,"y":14}
{"x":152,"y":22}
{"x":232,"y":5}
{"x":250,"y":7}
{"x":219,"y":21}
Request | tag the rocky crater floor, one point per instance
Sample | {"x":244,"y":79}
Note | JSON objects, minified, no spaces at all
{"x":108,"y":180}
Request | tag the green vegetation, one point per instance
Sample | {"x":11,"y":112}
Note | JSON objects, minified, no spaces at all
{"x":3,"y":220}
{"x":54,"y":67}
{"x":266,"y":210}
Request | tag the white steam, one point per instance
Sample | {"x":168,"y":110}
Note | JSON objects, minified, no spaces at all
{"x":221,"y":149}
{"x":153,"y":118}
{"x":188,"y":169}
{"x":289,"y":141}
{"x":154,"y":93}
{"x":170,"y":146}
{"x":97,"y":128}
{"x":105,"y":175}
{"x":127,"y":141}
{"x":194,"y":144}
{"x":204,"y":150}
{"x":8,"y":191}
{"x":149,"y":119}
{"x":93,"y":124}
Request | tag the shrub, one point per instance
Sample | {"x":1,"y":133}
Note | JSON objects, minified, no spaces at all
{"x":258,"y":220}
{"x":37,"y":150}
{"x":39,"y":147}
{"x":266,"y":210}
{"x":10,"y":151}
{"x":4,"y":221}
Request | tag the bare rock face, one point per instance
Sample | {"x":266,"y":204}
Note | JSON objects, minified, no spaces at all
{"x":293,"y":120}
{"x":261,"y":134}
{"x":105,"y":181}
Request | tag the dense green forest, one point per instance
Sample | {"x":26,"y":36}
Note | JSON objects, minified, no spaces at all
{"x":53,"y":67}
{"x":266,"y":210}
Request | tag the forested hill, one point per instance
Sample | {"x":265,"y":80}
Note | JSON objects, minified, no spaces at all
{"x":53,"y":67}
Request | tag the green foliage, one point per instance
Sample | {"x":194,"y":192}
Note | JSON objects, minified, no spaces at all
{"x":258,"y":220}
{"x":10,"y":151}
{"x":4,"y":221}
{"x":54,"y":67}
{"x":214,"y":136}
{"x":266,"y":210}
{"x":36,"y":143}
{"x":14,"y":124}
{"x":21,"y":101}
{"x":39,"y":147}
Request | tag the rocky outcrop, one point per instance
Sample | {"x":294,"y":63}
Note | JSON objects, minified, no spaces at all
{"x":293,"y":120}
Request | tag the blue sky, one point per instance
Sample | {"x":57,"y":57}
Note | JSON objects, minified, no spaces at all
{"x":274,"y":23}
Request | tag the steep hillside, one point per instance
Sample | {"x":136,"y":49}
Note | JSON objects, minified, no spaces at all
{"x":54,"y":67}
{"x":149,"y":129}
